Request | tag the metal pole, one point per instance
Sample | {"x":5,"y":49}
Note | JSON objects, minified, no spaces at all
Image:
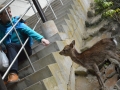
{"x":33,"y":8}
{"x":40,"y":11}
{"x":51,"y":9}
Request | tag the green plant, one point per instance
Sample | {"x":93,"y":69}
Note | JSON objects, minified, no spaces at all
{"x":110,"y":9}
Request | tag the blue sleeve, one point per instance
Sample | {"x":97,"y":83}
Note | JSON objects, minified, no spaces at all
{"x":30,"y":32}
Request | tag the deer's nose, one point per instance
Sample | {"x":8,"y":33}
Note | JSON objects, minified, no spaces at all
{"x":60,"y":53}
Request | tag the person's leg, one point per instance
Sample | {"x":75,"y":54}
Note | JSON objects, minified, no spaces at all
{"x":2,"y":85}
{"x":23,"y":56}
{"x":12,"y":50}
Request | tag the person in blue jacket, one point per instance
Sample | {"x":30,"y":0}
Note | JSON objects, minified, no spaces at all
{"x":12,"y":42}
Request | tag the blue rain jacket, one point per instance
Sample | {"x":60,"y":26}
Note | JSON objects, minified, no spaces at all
{"x":23,"y":30}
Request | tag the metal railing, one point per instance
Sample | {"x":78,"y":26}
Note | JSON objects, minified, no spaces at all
{"x":13,"y":28}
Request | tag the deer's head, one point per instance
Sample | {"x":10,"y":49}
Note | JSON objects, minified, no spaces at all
{"x":67,"y":51}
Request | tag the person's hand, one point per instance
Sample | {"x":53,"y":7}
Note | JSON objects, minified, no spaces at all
{"x":45,"y":42}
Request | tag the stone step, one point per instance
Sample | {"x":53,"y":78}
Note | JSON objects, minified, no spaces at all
{"x":83,"y":4}
{"x":72,"y":36}
{"x":31,"y":79}
{"x":78,"y":12}
{"x":40,"y":54}
{"x":41,"y":63}
{"x":38,"y":64}
{"x":61,"y":17}
{"x":61,"y":10}
{"x":82,"y":19}
{"x":49,"y":82}
{"x":53,"y":4}
{"x":58,"y":5}
{"x":37,"y":86}
{"x":79,"y":7}
{"x":96,"y":28}
{"x":57,"y":37}
{"x":60,"y":69}
{"x":53,"y":47}
{"x":75,"y":26}
{"x":58,"y":9}
{"x":61,"y":14}
{"x":73,"y":33}
{"x":94,"y":19}
{"x":45,"y":72}
{"x":61,"y":22}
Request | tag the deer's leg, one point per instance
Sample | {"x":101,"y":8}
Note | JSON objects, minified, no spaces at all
{"x":113,"y":55}
{"x":114,"y":58}
{"x":98,"y":74}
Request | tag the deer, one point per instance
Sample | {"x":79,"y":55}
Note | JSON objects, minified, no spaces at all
{"x":94,"y":56}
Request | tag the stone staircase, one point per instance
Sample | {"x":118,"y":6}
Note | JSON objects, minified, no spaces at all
{"x":53,"y":71}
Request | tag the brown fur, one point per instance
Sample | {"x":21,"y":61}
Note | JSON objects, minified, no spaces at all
{"x":93,"y":56}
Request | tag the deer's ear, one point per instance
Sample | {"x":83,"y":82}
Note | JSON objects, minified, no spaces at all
{"x":72,"y":44}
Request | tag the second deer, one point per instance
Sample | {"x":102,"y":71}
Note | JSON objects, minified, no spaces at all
{"x":94,"y":56}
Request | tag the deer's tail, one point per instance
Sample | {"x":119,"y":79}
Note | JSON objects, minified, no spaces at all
{"x":115,"y":41}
